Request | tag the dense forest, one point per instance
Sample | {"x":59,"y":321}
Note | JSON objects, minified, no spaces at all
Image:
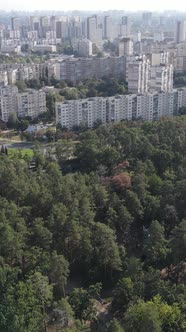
{"x":97,"y":242}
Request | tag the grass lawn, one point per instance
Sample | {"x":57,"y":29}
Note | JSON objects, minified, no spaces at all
{"x":20,"y":152}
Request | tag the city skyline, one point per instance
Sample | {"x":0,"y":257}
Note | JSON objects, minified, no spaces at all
{"x":134,"y":5}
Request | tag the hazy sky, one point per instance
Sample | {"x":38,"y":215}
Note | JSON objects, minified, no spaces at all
{"x":158,"y":5}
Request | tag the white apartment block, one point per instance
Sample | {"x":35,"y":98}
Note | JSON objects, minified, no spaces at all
{"x":158,"y":36}
{"x":10,"y":73}
{"x":160,"y":58}
{"x":8,"y":101}
{"x":138,"y":75}
{"x":180,"y":34}
{"x":78,"y":69}
{"x":94,"y":29}
{"x":108,"y":28}
{"x":12,"y":76}
{"x":180,"y":63}
{"x":10,"y":49}
{"x":76,"y":112}
{"x":44,"y":48}
{"x":147,"y":107}
{"x":3,"y":78}
{"x":85,"y":48}
{"x":126,"y":47}
{"x":29,"y":103}
{"x":8,"y":90}
{"x":125,"y":27}
{"x":161,"y":78}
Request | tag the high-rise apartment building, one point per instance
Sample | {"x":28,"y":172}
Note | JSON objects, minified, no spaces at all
{"x":78,"y":69}
{"x":126,"y":47}
{"x":148,"y":107}
{"x":125,"y":27}
{"x":108,"y":28}
{"x":3,"y":78}
{"x":147,"y":19}
{"x":180,"y":65}
{"x":35,"y":23}
{"x":44,"y":26}
{"x":29,"y":103}
{"x":62,"y":30}
{"x":159,"y":36}
{"x":161,"y":78}
{"x":92,"y":30}
{"x":85,"y":48}
{"x":15,"y":23}
{"x":138,"y":75}
{"x":180,"y":35}
{"x":8,"y":101}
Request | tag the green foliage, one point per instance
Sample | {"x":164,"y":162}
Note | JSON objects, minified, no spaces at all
{"x":178,"y":242}
{"x":114,"y":326}
{"x":59,"y":271}
{"x":12,"y":121}
{"x":123,"y":296}
{"x":110,"y":210}
{"x":83,"y":303}
{"x":21,"y":86}
{"x":91,"y":88}
{"x":154,"y":315}
{"x":155,"y":245}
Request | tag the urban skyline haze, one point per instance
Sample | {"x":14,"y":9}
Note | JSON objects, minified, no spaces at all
{"x":96,"y":5}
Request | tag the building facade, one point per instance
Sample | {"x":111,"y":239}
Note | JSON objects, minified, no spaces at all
{"x":148,"y":107}
{"x":161,"y":78}
{"x":78,"y":69}
{"x":85,"y":48}
{"x":138,"y":75}
{"x":180,"y":35}
{"x":29,"y":103}
{"x":126,"y":47}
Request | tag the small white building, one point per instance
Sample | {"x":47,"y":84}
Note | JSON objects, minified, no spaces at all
{"x":44,"y":48}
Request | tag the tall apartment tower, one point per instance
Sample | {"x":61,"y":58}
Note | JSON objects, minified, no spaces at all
{"x":126,"y":47}
{"x":92,"y":33}
{"x":180,"y":35}
{"x":125,"y":27}
{"x":8,"y":101}
{"x":85,"y":48}
{"x":161,"y":78}
{"x":180,"y":65}
{"x":108,"y":27}
{"x":147,"y":19}
{"x":15,"y":23}
{"x":138,"y":75}
{"x":62,"y":29}
{"x":35,"y":23}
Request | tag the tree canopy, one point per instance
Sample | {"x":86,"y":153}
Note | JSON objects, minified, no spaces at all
{"x":97,"y":239}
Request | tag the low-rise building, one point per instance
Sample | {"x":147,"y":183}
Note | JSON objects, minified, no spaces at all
{"x":10,"y":49}
{"x":44,"y":48}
